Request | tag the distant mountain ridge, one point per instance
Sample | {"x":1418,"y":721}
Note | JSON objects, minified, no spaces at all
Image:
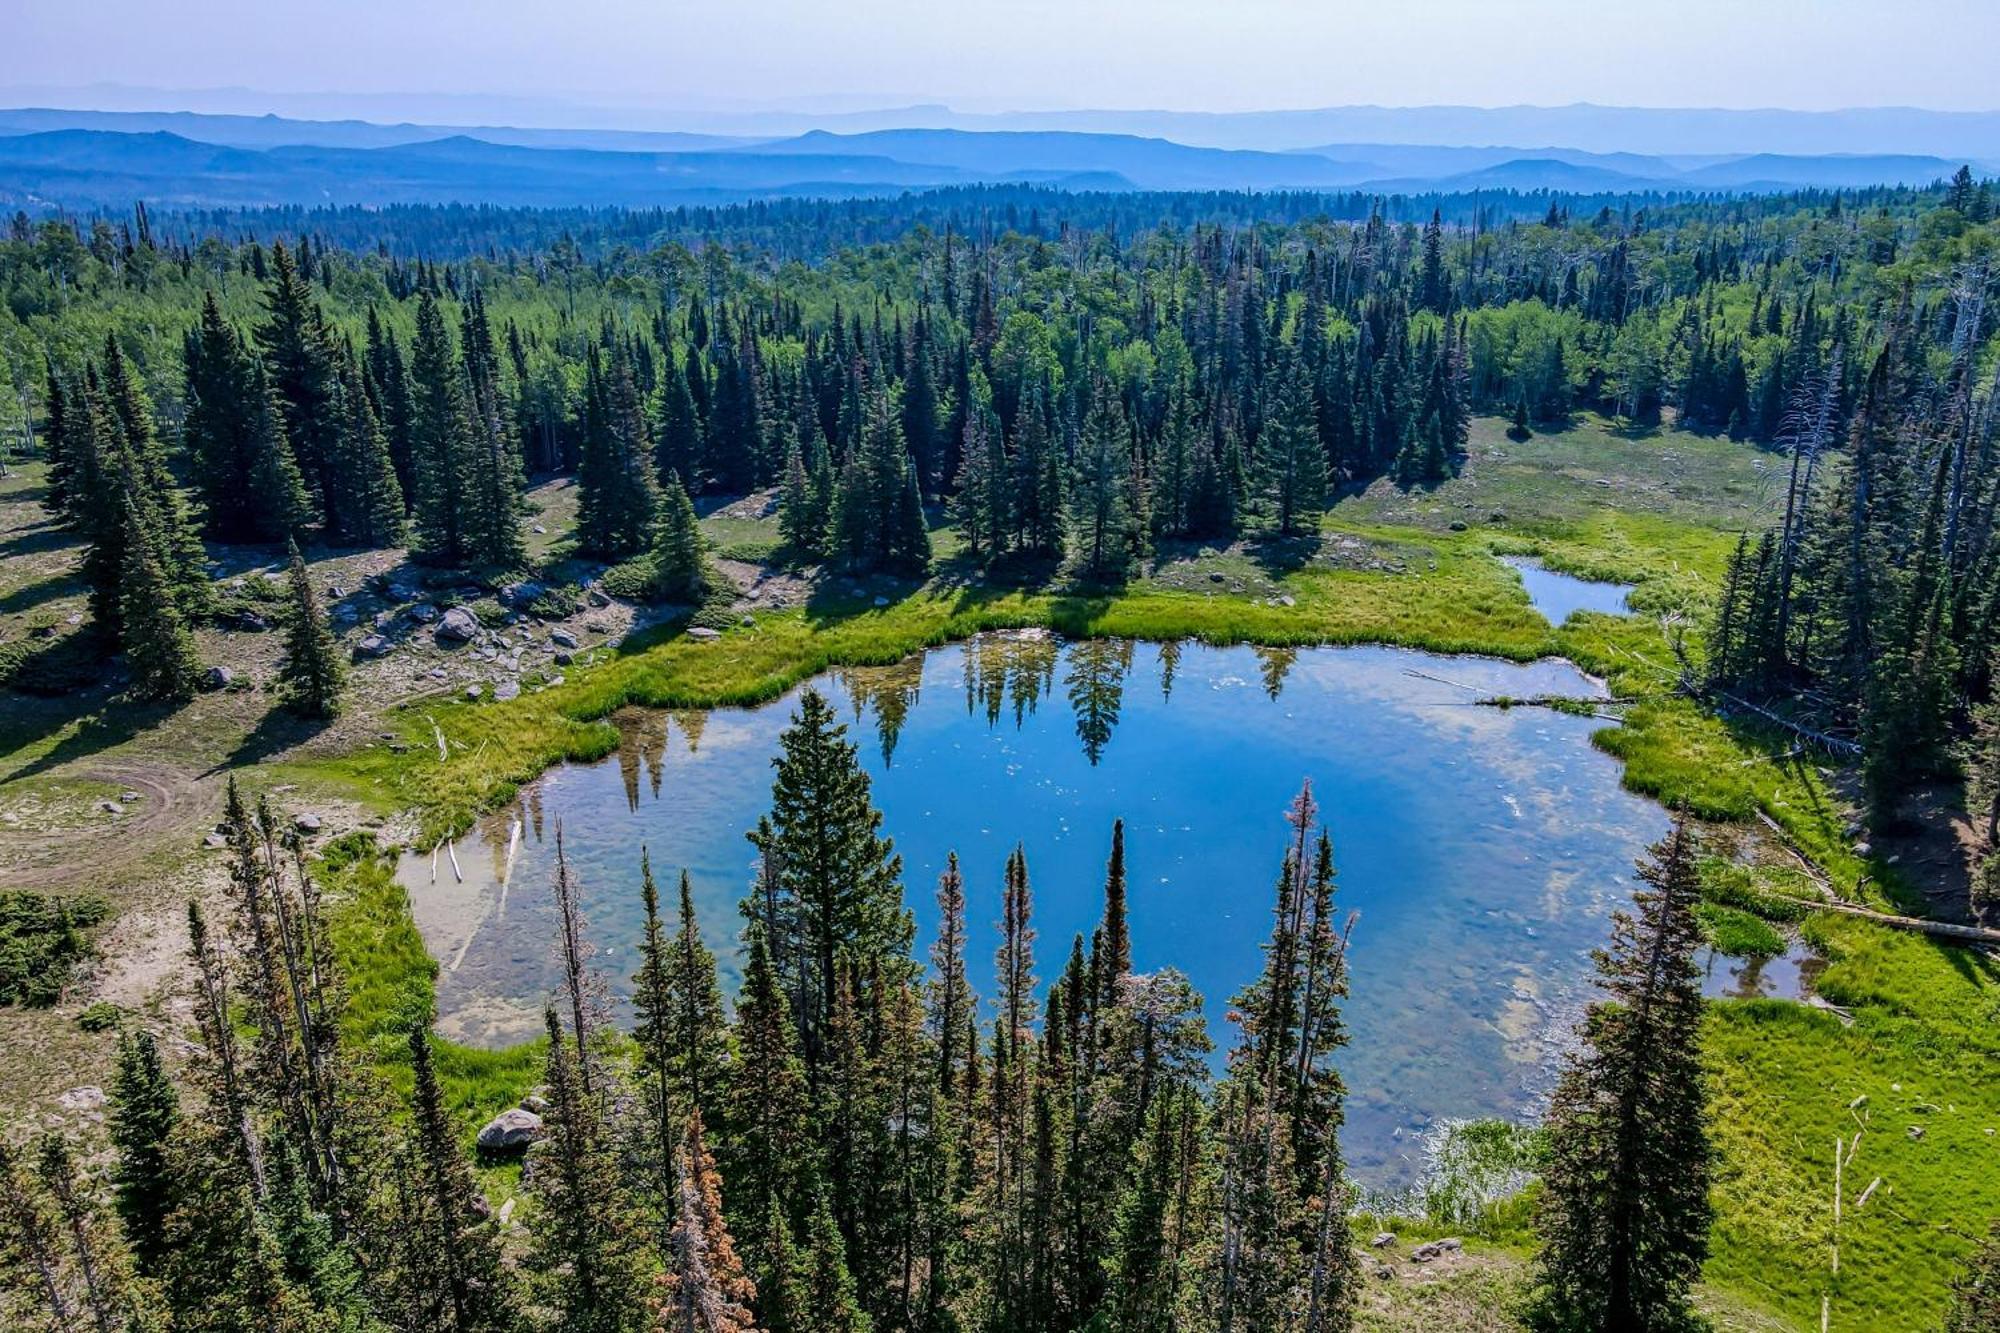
{"x":110,"y":158}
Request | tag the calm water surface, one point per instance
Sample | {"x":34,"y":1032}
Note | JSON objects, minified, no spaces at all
{"x":1482,"y":848}
{"x":1557,"y":596}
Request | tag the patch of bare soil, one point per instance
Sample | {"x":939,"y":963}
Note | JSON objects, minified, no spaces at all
{"x":762,"y":588}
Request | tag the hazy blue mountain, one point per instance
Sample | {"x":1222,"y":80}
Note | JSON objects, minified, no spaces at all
{"x":81,"y":167}
{"x":1151,"y":164}
{"x":280,"y":131}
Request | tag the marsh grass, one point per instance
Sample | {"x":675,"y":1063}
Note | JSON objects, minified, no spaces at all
{"x":1784,"y":1077}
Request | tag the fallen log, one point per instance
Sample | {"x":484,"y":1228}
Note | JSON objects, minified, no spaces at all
{"x":1949,"y":930}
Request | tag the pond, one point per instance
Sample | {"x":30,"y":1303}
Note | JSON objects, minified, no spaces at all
{"x":1483,"y":848}
{"x":1558,"y":596}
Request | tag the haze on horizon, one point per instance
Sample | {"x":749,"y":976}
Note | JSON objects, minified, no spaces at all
{"x":498,"y":59}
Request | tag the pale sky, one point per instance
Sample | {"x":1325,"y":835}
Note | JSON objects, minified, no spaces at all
{"x":1216,"y":55}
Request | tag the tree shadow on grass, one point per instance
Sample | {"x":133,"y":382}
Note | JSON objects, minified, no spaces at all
{"x":1278,"y":555}
{"x":31,"y":595}
{"x":102,"y":722}
{"x":278,"y":730}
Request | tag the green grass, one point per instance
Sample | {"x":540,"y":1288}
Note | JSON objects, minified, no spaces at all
{"x":1394,"y":571}
{"x":1735,"y":932}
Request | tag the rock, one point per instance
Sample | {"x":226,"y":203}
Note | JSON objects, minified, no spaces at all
{"x":881,"y":600}
{"x":1215,"y":576}
{"x":507,"y":689}
{"x":703,"y":634}
{"x":507,"y":1211}
{"x":110,"y":808}
{"x":564,"y":658}
{"x":748,"y":622}
{"x":598,"y":597}
{"x":520,"y":594}
{"x":562,"y":638}
{"x":556,"y":679}
{"x":85,"y":1098}
{"x":474,"y":691}
{"x":1458,"y":525}
{"x":423,"y":613}
{"x":535,"y":1102}
{"x":458,"y":626}
{"x":1385,"y":1272}
{"x":540,"y":529}
{"x":336,"y":590}
{"x":252,"y":622}
{"x":129,"y":796}
{"x":307,"y":822}
{"x":1436,"y":1249}
{"x":73,"y":618}
{"x":214,"y":842}
{"x":372,"y":646}
{"x":1862,"y":849}
{"x":1916,"y":1131}
{"x":1383,"y":1239}
{"x":478,"y":1207}
{"x":510,"y":1131}
{"x":217,"y":678}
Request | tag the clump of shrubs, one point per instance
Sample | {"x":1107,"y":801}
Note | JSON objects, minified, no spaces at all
{"x":42,"y":940}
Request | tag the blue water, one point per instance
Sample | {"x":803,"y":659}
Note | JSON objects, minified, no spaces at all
{"x":1558,"y":596}
{"x":1483,"y":848}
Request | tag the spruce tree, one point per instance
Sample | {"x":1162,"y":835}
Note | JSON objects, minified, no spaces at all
{"x":145,"y":1117}
{"x":158,"y":647}
{"x":1101,"y":517}
{"x":617,"y":498}
{"x":440,"y":442}
{"x":367,"y":498}
{"x":313,"y":675}
{"x":1291,"y":464}
{"x":823,"y":841}
{"x":465,"y":1286}
{"x":680,"y":569}
{"x":829,"y":1304}
{"x":249,"y":483}
{"x":1624,"y":1212}
{"x":584,"y":1260}
{"x":769,"y":1149}
{"x":705,"y":1289}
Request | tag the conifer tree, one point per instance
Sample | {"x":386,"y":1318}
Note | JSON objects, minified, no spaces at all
{"x":158,"y":647}
{"x":99,"y":1270}
{"x":367,"y":498}
{"x":770,"y":1158}
{"x":456,"y":1262}
{"x":1102,"y":519}
{"x":299,"y":356}
{"x":827,"y":1288}
{"x":31,"y":1253}
{"x":1291,"y":464}
{"x":585,"y":1259}
{"x":249,"y":483}
{"x":145,"y":1117}
{"x":1624,"y":1213}
{"x":705,"y":1289}
{"x":822,"y":842}
{"x":618,"y":499}
{"x":313,"y":675}
{"x":440,"y":442}
{"x":680,"y":570}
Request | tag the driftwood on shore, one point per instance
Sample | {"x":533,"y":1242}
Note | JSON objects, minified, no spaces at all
{"x":1950,"y":930}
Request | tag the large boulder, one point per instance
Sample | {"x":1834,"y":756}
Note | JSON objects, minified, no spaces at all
{"x":217,"y":678}
{"x":457,"y":625}
{"x":375,"y":645}
{"x":520,"y":594}
{"x":510,"y":1131}
{"x":562,"y":638}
